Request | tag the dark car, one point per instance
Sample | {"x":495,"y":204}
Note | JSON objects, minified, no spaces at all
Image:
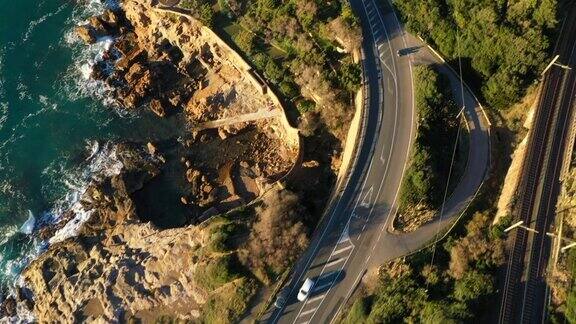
{"x":282,"y":298}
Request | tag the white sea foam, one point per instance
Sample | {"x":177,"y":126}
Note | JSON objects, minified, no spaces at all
{"x":23,"y":91}
{"x":33,"y":24}
{"x":3,"y":113}
{"x":29,"y":224}
{"x":93,"y":147}
{"x":102,"y":159}
{"x":79,"y":82}
{"x":102,"y":162}
{"x":6,"y":232}
{"x":73,"y":226}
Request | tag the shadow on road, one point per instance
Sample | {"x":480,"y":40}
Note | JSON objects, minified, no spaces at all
{"x":409,"y":50}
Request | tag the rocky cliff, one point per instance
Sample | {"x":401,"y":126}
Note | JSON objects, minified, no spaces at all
{"x":119,"y":268}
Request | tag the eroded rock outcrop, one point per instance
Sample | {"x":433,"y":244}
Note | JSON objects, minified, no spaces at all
{"x":117,"y":267}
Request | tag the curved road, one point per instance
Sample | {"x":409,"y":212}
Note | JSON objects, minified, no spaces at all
{"x":353,"y":235}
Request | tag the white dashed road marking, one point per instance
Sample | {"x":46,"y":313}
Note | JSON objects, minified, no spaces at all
{"x":342,"y":249}
{"x":316,"y":298}
{"x":331,"y":263}
{"x":308,"y":312}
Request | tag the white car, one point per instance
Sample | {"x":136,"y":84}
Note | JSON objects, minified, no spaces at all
{"x":305,"y":289}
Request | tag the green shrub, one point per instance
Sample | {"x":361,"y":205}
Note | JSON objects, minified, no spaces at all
{"x":273,"y":71}
{"x":217,"y":272}
{"x":220,"y":236}
{"x":443,"y":313}
{"x":201,"y":9}
{"x":358,"y":313}
{"x":395,"y":299}
{"x":497,"y":231}
{"x":426,"y":178}
{"x":289,"y":89}
{"x":305,"y":106}
{"x":230,"y":304}
{"x":472,"y":286}
{"x":207,"y":14}
{"x":571,"y":306}
{"x":246,"y":40}
{"x":350,"y":76}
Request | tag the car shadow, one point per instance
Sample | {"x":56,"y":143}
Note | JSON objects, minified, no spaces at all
{"x":409,"y":50}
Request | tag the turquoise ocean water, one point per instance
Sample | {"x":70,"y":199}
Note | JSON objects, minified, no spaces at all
{"x":56,"y":125}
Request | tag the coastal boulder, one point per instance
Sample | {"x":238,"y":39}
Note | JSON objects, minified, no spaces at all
{"x":135,"y":73}
{"x":158,"y":107}
{"x":8,"y":307}
{"x":86,"y":34}
{"x":110,"y":19}
{"x":144,"y":84}
{"x":135,"y":55}
{"x":93,"y":30}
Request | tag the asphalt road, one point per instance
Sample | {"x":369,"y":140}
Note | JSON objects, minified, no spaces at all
{"x":354,"y":234}
{"x":525,"y":295}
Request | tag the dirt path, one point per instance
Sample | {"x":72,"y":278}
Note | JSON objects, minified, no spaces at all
{"x":260,"y":114}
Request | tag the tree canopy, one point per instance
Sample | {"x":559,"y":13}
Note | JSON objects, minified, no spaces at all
{"x":504,"y":44}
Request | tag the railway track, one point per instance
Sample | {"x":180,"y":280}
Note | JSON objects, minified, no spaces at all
{"x":523,"y":294}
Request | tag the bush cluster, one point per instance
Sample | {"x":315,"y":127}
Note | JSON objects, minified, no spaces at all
{"x":313,"y":40}
{"x":425,"y":179}
{"x":418,"y":291}
{"x":278,"y":236}
{"x":503,"y":44}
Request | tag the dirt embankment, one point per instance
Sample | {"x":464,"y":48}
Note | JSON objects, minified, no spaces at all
{"x":521,"y":117}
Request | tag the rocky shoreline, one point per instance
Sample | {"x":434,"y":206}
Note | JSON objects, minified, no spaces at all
{"x":170,"y":66}
{"x":121,"y":266}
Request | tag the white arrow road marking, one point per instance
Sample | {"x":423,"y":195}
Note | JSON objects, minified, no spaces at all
{"x":367,"y":198}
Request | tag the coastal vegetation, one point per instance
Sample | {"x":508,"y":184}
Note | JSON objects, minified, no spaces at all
{"x":302,"y":47}
{"x":449,"y":283}
{"x":503,"y":45}
{"x":426,"y":178}
{"x":278,"y":236}
{"x":248,"y":248}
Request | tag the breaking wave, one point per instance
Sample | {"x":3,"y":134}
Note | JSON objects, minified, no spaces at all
{"x":20,"y":244}
{"x":79,"y":83}
{"x":102,"y":162}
